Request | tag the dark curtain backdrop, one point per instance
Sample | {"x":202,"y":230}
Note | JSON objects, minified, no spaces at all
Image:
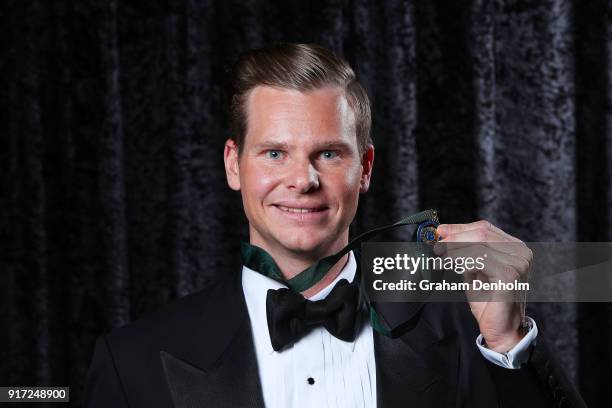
{"x":113,"y":198}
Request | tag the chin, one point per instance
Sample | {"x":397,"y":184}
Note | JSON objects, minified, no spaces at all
{"x":306,"y":244}
{"x":303,"y":246}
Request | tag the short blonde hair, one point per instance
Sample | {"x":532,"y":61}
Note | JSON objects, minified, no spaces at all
{"x":301,"y":67}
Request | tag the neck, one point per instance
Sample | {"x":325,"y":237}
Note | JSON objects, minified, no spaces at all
{"x":328,"y":278}
{"x":292,"y":263}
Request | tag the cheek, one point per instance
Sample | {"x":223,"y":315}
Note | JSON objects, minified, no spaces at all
{"x":353,"y":180}
{"x":257,"y":183}
{"x":348,"y":184}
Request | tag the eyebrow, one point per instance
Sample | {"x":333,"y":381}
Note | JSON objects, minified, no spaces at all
{"x":271,"y":146}
{"x":331,"y":145}
{"x":334,"y":145}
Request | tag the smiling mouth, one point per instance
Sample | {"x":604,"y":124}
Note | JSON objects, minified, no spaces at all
{"x":299,"y":210}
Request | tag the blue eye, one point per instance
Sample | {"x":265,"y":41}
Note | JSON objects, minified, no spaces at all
{"x":274,"y":154}
{"x":329,"y":154}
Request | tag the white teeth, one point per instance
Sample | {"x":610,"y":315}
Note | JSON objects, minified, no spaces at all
{"x":296,"y":210}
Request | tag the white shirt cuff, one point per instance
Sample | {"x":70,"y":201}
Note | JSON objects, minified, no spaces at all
{"x":517,"y":356}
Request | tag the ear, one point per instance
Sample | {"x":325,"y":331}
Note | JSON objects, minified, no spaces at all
{"x":367,"y":163}
{"x":232,"y":170}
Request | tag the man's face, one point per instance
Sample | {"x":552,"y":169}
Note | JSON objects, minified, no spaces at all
{"x":300,"y":171}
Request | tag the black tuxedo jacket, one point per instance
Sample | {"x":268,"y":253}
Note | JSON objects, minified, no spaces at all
{"x":199,"y":352}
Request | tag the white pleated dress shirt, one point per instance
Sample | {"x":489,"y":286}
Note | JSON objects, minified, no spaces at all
{"x":320,"y":370}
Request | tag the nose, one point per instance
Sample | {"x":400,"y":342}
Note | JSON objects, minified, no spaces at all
{"x":303,"y":177}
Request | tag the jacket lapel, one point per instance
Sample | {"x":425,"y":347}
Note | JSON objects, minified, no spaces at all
{"x":210,"y":360}
{"x":418,"y":368}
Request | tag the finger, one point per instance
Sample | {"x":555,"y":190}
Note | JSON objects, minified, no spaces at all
{"x":497,"y":264}
{"x":489,"y":238}
{"x":498,"y":267}
{"x":467,"y":238}
{"x":446,"y":230}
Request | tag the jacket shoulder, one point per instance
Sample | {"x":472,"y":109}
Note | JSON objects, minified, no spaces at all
{"x":190,"y":328}
{"x":171,"y":319}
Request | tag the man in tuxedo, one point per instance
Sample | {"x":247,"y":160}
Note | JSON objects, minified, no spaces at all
{"x":278,"y":333}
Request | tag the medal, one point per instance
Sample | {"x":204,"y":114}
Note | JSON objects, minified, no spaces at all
{"x":427,"y":232}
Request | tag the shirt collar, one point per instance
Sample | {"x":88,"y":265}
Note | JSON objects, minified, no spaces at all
{"x":256,"y":286}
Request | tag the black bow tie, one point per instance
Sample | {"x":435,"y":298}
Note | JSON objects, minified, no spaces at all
{"x":291,"y":316}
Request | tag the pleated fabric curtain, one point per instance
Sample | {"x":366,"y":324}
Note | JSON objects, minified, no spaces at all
{"x":113,"y":200}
